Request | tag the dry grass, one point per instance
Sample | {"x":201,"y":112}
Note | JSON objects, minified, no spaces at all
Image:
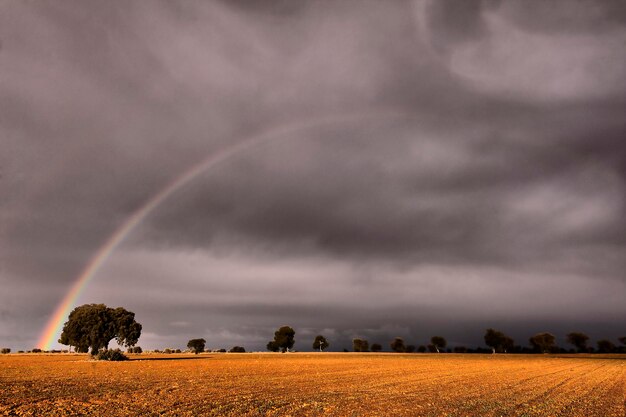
{"x":314,"y":384}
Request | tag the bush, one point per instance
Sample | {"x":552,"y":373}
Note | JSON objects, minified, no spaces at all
{"x":5,"y":350}
{"x":111,"y":355}
{"x":219,"y":350}
{"x":237,"y":349}
{"x":167,"y":350}
{"x":36,"y":350}
{"x":135,"y":349}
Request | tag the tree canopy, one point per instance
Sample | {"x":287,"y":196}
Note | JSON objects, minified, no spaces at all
{"x":397,"y":345}
{"x":579,"y":340}
{"x":284,"y":339}
{"x":320,"y":343}
{"x":93,"y":326}
{"x":196,"y":345}
{"x":498,"y":341}
{"x":544,"y":342}
{"x":360,"y":345}
{"x":438,"y":342}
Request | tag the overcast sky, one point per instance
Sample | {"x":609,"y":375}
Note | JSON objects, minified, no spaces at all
{"x":428,"y":168}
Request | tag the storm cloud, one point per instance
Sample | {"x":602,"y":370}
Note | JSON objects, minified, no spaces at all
{"x":425,"y":167}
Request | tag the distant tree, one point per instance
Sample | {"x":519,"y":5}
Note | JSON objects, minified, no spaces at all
{"x":360,"y":345}
{"x":605,"y":346}
{"x":508,"y":344}
{"x":376,"y":347}
{"x":459,"y":349}
{"x":543,"y":342}
{"x":283,"y":339}
{"x":320,"y":343}
{"x":397,"y":345}
{"x":579,"y":340}
{"x":495,"y":340}
{"x":134,"y":349}
{"x":195,"y":345}
{"x":237,"y":349}
{"x":438,"y":342}
{"x":410,"y":349}
{"x":5,"y":350}
{"x":95,"y":325}
{"x":421,"y":348}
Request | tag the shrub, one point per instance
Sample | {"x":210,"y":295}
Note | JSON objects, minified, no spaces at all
{"x":167,"y":350}
{"x":36,"y":350}
{"x":111,"y":355}
{"x":5,"y":350}
{"x":237,"y":349}
{"x":135,"y":349}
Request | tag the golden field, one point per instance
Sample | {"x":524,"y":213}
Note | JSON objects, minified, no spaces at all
{"x":303,"y":384}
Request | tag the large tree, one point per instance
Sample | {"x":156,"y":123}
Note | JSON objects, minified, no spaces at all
{"x":196,"y":345}
{"x":93,"y":326}
{"x":543,"y":342}
{"x":283,"y":340}
{"x":320,"y":343}
{"x":579,"y":340}
{"x":438,"y":342}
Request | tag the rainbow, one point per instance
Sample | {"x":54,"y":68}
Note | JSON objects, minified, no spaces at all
{"x":54,"y":326}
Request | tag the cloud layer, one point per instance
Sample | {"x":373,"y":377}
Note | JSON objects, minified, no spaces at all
{"x":472,"y":174}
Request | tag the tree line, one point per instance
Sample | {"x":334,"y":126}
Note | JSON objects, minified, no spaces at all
{"x":91,"y":327}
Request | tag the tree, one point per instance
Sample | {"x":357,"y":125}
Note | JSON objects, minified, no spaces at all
{"x":410,"y":349}
{"x":196,"y":345}
{"x":438,"y":342}
{"x":237,"y":349}
{"x":508,"y":344}
{"x":543,"y":342}
{"x":579,"y":340}
{"x":360,"y":345}
{"x":397,"y":345}
{"x":376,"y":347}
{"x":605,"y":346}
{"x":622,"y":340}
{"x":283,"y":339}
{"x":95,"y":325}
{"x":494,"y":339}
{"x":320,"y":343}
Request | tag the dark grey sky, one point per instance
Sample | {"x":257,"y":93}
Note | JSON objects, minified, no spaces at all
{"x":473,"y":174}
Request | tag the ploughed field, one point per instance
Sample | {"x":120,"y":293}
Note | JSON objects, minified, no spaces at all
{"x":335,"y":384}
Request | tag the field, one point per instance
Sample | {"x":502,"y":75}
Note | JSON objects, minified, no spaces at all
{"x":314,"y":384}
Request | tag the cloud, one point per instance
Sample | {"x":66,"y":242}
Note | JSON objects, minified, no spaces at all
{"x":476,"y":154}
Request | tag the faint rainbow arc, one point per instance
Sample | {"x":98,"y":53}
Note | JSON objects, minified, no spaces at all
{"x":55,"y":323}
